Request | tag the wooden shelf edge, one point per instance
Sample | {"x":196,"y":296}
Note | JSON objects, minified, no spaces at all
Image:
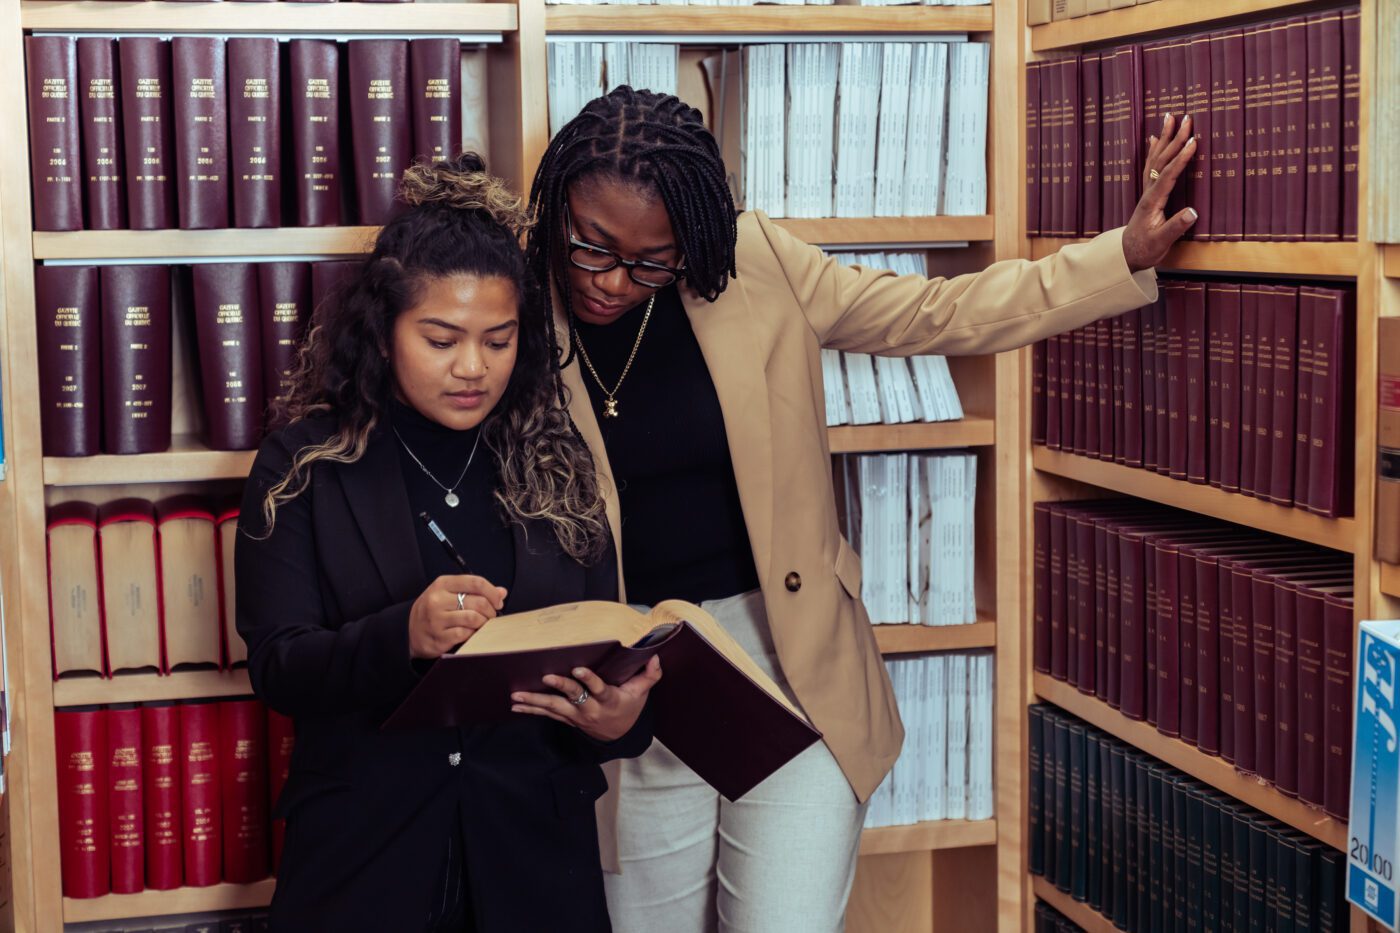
{"x":149,"y":687}
{"x":911,"y":639}
{"x":924,"y":837}
{"x":187,"y":459}
{"x":1302,"y":258}
{"x":936,"y":435}
{"x":1390,"y":260}
{"x":1216,"y":772}
{"x":874,"y":231}
{"x":1337,"y":533}
{"x":185,"y":900}
{"x":582,"y":20}
{"x":1086,"y":917}
{"x":1390,"y":579}
{"x":233,"y":17}
{"x":1134,"y":21}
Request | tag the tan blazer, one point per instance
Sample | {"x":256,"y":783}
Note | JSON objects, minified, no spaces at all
{"x":761,"y":340}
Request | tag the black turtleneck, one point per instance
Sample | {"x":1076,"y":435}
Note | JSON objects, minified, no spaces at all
{"x":475,"y":526}
{"x":683,"y":533}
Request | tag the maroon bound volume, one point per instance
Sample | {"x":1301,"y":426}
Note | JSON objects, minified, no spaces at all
{"x":1330,"y":461}
{"x":314,"y":86}
{"x":1308,"y":635}
{"x":284,"y":299}
{"x":1103,"y":373}
{"x":255,"y":131}
{"x":1032,"y":149}
{"x":201,"y":130}
{"x":1148,"y":370}
{"x":1295,"y":132}
{"x":80,"y":739}
{"x":1038,"y":365}
{"x":54,"y":159}
{"x":1302,"y":400}
{"x":124,"y":799}
{"x":104,"y":175}
{"x":160,"y":734}
{"x":1216,"y":295}
{"x":1193,"y":300}
{"x":1276,"y":115}
{"x":136,"y":373}
{"x":201,"y":829}
{"x":1257,"y":89}
{"x":1172,"y":99}
{"x":1091,"y":140}
{"x":1225,"y":307}
{"x":1177,"y":444}
{"x":327,"y":278}
{"x":242,"y":759}
{"x":227,"y":321}
{"x":1269,"y":311}
{"x":1051,"y":119}
{"x":148,"y":135}
{"x":1338,"y":639}
{"x":69,"y":324}
{"x":1284,"y":395}
{"x":1163,"y":371}
{"x":436,"y":66}
{"x":1351,"y":118}
{"x":1324,"y":127}
{"x":1132,"y":388}
{"x":1197,"y":177}
{"x":1072,"y":139}
{"x":1041,"y":577}
{"x":379,"y":119}
{"x":1227,"y":135}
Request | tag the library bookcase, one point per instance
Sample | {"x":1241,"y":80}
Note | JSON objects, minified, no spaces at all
{"x":948,"y":875}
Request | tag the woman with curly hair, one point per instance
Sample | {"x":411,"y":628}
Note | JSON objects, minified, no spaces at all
{"x":429,"y":384}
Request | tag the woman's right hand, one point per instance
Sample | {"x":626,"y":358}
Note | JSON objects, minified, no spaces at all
{"x":449,"y":612}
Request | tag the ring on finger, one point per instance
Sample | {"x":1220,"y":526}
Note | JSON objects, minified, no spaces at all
{"x":1153,"y":174}
{"x":461,"y":600}
{"x":582,"y":697}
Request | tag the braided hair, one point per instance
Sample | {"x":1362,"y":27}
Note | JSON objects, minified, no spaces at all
{"x":657,"y":142}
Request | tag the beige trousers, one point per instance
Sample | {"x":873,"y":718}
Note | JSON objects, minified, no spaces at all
{"x":780,"y":859}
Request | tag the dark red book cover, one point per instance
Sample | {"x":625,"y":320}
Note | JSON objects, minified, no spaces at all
{"x":201,"y":130}
{"x":1177,"y":452}
{"x":1251,"y":297}
{"x":1116,"y":326}
{"x":228,"y":324}
{"x":1188,"y":624}
{"x":160,"y":736}
{"x":1072,"y":137}
{"x":1302,"y":400}
{"x":1288,"y":746}
{"x":1196,"y":190}
{"x":1111,"y":118}
{"x":1225,"y":629}
{"x":201,"y":829}
{"x":281,"y":738}
{"x":1167,"y":683}
{"x":1213,"y":398}
{"x":1041,"y":589}
{"x":1163,"y":371}
{"x":314,"y":86}
{"x":1038,"y":392}
{"x":1263,"y":588}
{"x":243,"y":763}
{"x":1132,"y":388}
{"x":1225,"y":307}
{"x":1148,"y":370}
{"x":435,"y":67}
{"x":1052,"y":392}
{"x":1308,"y":635}
{"x":1113,"y":674}
{"x":69,"y":325}
{"x":80,"y":740}
{"x":55,"y":163}
{"x":1351,"y":118}
{"x":1050,"y":121}
{"x":1079,"y":417}
{"x":1032,"y":148}
{"x":1151,"y":621}
{"x":1066,"y":390}
{"x":1257,"y":101}
{"x":1172,"y":99}
{"x":1059,"y":595}
{"x":124,"y":799}
{"x":1135,"y":144}
{"x":255,"y":131}
{"x":1102,"y":652}
{"x":1324,"y":127}
{"x":327,"y":278}
{"x":1103,"y":341}
{"x":148,"y":132}
{"x":1055,"y":124}
{"x":284,"y":298}
{"x":1084,"y":620}
{"x":1227,"y":134}
{"x":1072,"y":616}
{"x":136,"y":371}
{"x":1277,"y":116}
{"x":1242,"y":618}
{"x":380,"y":123}
{"x":1154,"y":67}
{"x":1195,"y":414}
{"x":1338,"y":639}
{"x":1264,"y":391}
{"x":1295,"y":131}
{"x":99,"y":107}
{"x":1330,"y":461}
{"x":1285,"y":395}
{"x":1204,"y":566}
{"x":1091,"y":141}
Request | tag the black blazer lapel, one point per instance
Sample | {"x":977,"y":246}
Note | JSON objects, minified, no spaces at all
{"x":374,"y":487}
{"x":538,"y":565}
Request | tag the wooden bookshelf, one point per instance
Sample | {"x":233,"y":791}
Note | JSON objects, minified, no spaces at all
{"x":1390,"y":260}
{"x":880,"y":231}
{"x":1137,"y":22}
{"x":166,"y":903}
{"x":838,"y":21}
{"x":147,"y":687}
{"x":1338,"y":533}
{"x":235,"y":16}
{"x":1086,"y":917}
{"x":871,"y":438}
{"x":1208,"y":769}
{"x":915,"y":639}
{"x":934,"y":835}
{"x":1390,"y":579}
{"x":186,"y":460}
{"x":1310,"y":259}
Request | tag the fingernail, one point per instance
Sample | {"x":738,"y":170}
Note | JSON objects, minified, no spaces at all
{"x":517,"y":709}
{"x":1194,"y":215}
{"x":516,"y":698}
{"x":578,"y":672}
{"x":1165,"y":120}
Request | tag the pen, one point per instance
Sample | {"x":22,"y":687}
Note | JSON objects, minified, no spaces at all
{"x":443,"y":539}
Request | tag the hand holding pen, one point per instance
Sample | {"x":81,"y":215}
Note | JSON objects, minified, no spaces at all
{"x":452,"y":608}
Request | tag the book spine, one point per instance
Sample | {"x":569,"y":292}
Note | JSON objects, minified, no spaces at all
{"x":1262,"y":592}
{"x":1163,"y":373}
{"x":1264,"y":391}
{"x":243,"y":765}
{"x":1059,"y":645}
{"x":1285,"y":688}
{"x":1116,"y":328}
{"x":1084,"y":619}
{"x":1302,"y":395}
{"x":1050,"y":122}
{"x":1285,"y":395}
{"x":1090,"y":179}
{"x":314,"y":66}
{"x":227,"y":321}
{"x":1387,"y":442}
{"x":199,"y":775}
{"x":1103,"y":652}
{"x":1256,"y":113}
{"x":1225,"y":626}
{"x":148,"y":132}
{"x":1080,"y":418}
{"x":1177,"y":379}
{"x":1072,"y":618}
{"x":1172,"y":100}
{"x":1214,"y":397}
{"x":1168,"y":681}
{"x":1113,"y":676}
{"x":1066,"y":390}
{"x":1242,"y":617}
{"x":54,"y":156}
{"x":136,"y":374}
{"x":1277,"y":130}
{"x":1329,"y":461}
{"x":1351,"y":119}
{"x":1187,"y":614}
{"x":1311,"y":710}
{"x":1225,"y":303}
{"x":281,"y":738}
{"x":1052,"y":393}
{"x":284,"y":300}
{"x":1132,"y":611}
{"x":1338,"y":633}
{"x":99,"y":106}
{"x":80,"y":739}
{"x":1103,"y":342}
{"x":1033,"y":149}
{"x":1073,"y":131}
{"x":436,"y":74}
{"x":380,"y":123}
{"x":255,"y":131}
{"x":1132,"y":388}
{"x":1295,"y":110}
{"x":160,"y":736}
{"x":1197,"y":176}
{"x":1207,"y":671}
{"x":1148,"y":370}
{"x":1250,"y":301}
{"x":201,"y":131}
{"x":1041,"y":576}
{"x":69,"y":325}
{"x":124,"y":799}
{"x":1038,"y":412}
{"x":1229,"y":197}
{"x":1195,"y":414}
{"x":1078,"y":873}
{"x":1324,"y":127}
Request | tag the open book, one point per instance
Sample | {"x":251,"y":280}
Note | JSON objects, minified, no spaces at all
{"x":714,"y":707}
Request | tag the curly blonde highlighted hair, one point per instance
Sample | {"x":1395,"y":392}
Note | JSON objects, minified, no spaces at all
{"x":460,"y":221}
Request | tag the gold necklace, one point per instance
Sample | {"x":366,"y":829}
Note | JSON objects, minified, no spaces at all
{"x":610,"y":399}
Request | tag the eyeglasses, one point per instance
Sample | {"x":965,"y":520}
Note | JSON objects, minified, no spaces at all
{"x":593,"y":258}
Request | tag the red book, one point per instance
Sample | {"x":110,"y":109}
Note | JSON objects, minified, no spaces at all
{"x":1264,"y":390}
{"x":200,"y":823}
{"x":1195,"y":413}
{"x":1163,"y":371}
{"x":1116,"y":327}
{"x":328,"y":277}
{"x":314,"y":88}
{"x":1324,"y":127}
{"x":1134,"y":144}
{"x":1065,"y":380}
{"x":1083,"y":622}
{"x":1330,"y":463}
{"x":80,"y":740}
{"x":1225,"y":308}
{"x":160,"y":735}
{"x":1351,"y":118}
{"x":1154,"y":66}
{"x":1072,"y":615}
{"x":228,"y":323}
{"x":1311,"y":704}
{"x":281,"y":737}
{"x":54,"y":161}
{"x":1176,"y":380}
{"x":1172,"y":99}
{"x":1091,"y":141}
{"x":69,"y":325}
{"x":284,"y":300}
{"x":436,"y":74}
{"x":1302,"y":402}
{"x":1251,"y":297}
{"x":1277,"y":120}
{"x":255,"y":131}
{"x":1059,"y":596}
{"x":1104,"y":390}
{"x":1081,"y":341}
{"x":1113,"y":622}
{"x":1038,"y":425}
{"x":1196,"y":191}
{"x":1072,"y":143}
{"x":1052,"y":392}
{"x":1033,"y":149}
{"x":1338,"y":639}
{"x":1295,"y":131}
{"x":136,"y":372}
{"x":1257,"y":89}
{"x":1148,"y":369}
{"x":380,"y":123}
{"x":1227,"y":134}
{"x":1112,"y":116}
{"x":1285,"y":395}
{"x":243,"y":763}
{"x":148,"y":132}
{"x":1132,"y":388}
{"x":1041,"y":601}
{"x":1051,"y":119}
{"x":1103,"y":653}
{"x":201,"y":130}
{"x":124,"y":799}
{"x":99,"y":105}
{"x":1287,"y":746}
{"x":1213,"y":398}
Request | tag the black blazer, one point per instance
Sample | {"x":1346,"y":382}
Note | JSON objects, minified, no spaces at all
{"x":323,"y":604}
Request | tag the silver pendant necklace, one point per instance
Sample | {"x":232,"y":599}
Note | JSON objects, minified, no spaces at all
{"x":451,"y":498}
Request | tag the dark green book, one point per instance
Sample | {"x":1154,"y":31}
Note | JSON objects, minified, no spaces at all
{"x":1037,"y":790}
{"x":1062,"y":866}
{"x":1305,"y":853}
{"x":1225,"y":826}
{"x":1137,"y":843}
{"x":1271,"y":878}
{"x":1258,"y":873}
{"x":1155,"y":918}
{"x":1287,"y":884}
{"x":1093,"y":841}
{"x":1195,"y":859}
{"x":1079,"y":868}
{"x":1119,"y":836}
{"x":1242,"y":833}
{"x":1329,"y":876}
{"x":1108,"y":854}
{"x":1179,"y":893}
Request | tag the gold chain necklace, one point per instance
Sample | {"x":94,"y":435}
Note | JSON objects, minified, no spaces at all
{"x":610,"y":400}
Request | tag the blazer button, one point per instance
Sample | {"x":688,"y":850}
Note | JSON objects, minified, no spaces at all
{"x":793,"y":582}
{"x":454,"y":759}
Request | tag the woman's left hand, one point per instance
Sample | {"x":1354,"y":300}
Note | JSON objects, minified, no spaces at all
{"x":602,"y":712}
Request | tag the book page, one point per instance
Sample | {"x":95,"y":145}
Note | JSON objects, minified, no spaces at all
{"x":556,"y":626}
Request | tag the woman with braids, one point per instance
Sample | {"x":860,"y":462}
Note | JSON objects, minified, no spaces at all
{"x":428,"y":385}
{"x":694,"y":373}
